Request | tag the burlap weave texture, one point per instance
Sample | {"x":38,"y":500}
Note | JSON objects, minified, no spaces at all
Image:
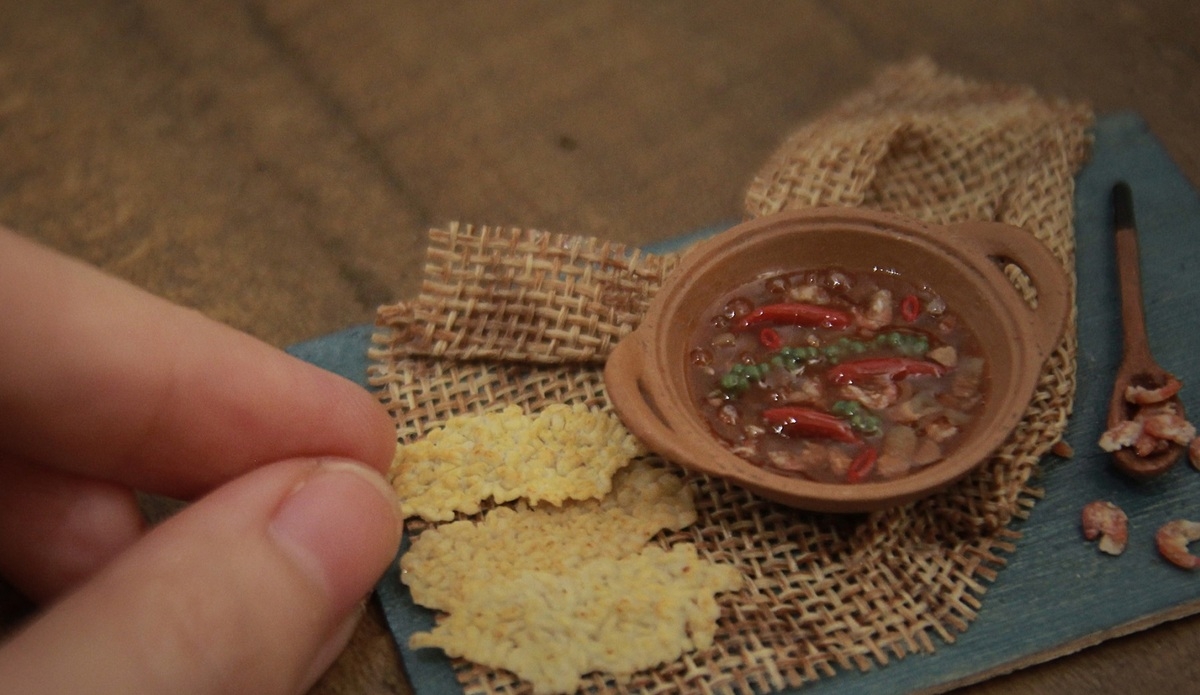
{"x":523,"y":316}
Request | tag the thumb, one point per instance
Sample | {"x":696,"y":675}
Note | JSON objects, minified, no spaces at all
{"x":254,"y":588}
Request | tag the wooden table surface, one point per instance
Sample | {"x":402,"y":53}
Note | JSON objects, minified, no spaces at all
{"x":275,"y":164}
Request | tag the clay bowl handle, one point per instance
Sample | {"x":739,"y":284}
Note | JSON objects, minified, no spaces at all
{"x":994,"y":245}
{"x":623,"y":379}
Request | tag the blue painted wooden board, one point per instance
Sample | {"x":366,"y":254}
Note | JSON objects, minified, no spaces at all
{"x":1058,"y":594}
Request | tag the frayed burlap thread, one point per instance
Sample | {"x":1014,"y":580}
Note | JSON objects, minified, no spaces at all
{"x":520,"y":316}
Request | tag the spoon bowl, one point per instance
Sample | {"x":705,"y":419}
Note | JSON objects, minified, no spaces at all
{"x":1138,"y":366}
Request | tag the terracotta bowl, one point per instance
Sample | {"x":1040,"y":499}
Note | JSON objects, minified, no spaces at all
{"x":646,"y":374}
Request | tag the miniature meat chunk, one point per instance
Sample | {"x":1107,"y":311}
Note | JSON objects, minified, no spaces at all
{"x":1104,"y":520}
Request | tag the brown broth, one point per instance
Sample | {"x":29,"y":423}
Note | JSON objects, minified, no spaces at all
{"x":883,"y":379}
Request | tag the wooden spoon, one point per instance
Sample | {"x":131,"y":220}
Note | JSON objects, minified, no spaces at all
{"x":1138,"y":367}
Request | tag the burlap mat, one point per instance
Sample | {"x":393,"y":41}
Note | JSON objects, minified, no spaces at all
{"x":527,"y":317}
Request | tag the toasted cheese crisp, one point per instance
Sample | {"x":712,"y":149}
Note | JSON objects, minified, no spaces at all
{"x":563,"y":452}
{"x":447,"y":563}
{"x":615,"y":616}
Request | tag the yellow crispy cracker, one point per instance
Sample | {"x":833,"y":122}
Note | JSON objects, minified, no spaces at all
{"x":614,"y":616}
{"x":563,"y":452}
{"x":445,"y":563}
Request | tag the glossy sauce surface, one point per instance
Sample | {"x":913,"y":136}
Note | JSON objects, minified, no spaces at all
{"x":836,"y":376}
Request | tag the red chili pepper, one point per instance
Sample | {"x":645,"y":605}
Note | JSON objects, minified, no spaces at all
{"x":795,"y":314}
{"x":770,"y":339}
{"x":813,"y":423}
{"x":910,"y":308}
{"x":895,"y":368}
{"x":862,"y":465}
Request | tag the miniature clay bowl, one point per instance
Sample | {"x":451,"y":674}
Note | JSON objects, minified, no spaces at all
{"x":646,"y":375}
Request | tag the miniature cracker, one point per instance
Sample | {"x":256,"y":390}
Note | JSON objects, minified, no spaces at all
{"x":447,"y":563}
{"x":615,"y":616}
{"x":563,"y":452}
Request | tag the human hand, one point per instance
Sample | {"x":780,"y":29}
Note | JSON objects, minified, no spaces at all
{"x":257,"y":585}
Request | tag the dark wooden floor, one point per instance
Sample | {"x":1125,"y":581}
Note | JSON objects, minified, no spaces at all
{"x":275,"y":164}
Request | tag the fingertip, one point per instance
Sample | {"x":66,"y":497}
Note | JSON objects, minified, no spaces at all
{"x":341,"y":525}
{"x":267,"y":573}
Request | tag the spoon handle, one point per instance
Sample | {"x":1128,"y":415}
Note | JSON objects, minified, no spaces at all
{"x":1129,"y":273}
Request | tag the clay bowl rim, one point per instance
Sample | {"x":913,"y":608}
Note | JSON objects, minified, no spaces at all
{"x":649,"y":390}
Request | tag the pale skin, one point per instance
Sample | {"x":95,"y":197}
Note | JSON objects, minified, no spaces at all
{"x":258,"y":583}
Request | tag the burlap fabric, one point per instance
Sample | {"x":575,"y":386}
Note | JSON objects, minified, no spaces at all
{"x":522,"y":316}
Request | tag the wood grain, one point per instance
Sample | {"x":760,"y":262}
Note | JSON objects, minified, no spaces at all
{"x":274,"y":164}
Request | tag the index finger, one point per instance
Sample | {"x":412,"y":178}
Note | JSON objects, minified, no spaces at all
{"x":104,"y":380}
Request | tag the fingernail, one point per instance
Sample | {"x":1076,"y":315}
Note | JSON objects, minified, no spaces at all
{"x":341,"y":525}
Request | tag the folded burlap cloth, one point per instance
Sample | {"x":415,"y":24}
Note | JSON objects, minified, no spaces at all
{"x":522,"y":316}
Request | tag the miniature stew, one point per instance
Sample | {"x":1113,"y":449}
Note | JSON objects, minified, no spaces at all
{"x":836,"y":376}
